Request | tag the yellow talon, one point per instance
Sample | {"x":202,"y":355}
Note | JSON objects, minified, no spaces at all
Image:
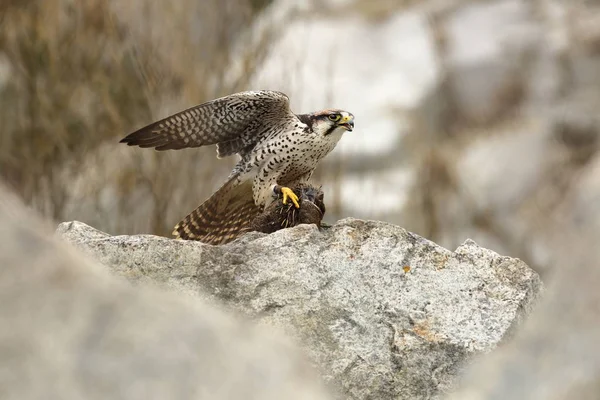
{"x":289,"y":193}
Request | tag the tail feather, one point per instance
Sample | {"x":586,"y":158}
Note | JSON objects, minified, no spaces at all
{"x":222,"y":217}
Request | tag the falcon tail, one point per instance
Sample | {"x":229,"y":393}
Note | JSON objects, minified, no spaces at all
{"x":222,"y":217}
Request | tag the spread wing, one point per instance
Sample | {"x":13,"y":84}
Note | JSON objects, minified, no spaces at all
{"x":233,"y":122}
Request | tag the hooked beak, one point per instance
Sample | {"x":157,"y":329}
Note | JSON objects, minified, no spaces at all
{"x":347,"y":122}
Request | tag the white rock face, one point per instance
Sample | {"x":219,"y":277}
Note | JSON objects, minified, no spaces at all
{"x":488,"y":43}
{"x":500,"y":170}
{"x":384,"y":313}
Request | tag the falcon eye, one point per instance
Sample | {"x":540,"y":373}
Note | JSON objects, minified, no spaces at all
{"x":334,"y":117}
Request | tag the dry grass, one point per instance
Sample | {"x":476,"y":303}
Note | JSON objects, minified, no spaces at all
{"x":83,"y":74}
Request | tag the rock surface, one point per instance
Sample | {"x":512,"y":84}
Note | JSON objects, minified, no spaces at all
{"x":69,"y":330}
{"x":384,"y":313}
{"x":556,"y":353}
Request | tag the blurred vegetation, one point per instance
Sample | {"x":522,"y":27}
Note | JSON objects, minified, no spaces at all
{"x":81,"y":75}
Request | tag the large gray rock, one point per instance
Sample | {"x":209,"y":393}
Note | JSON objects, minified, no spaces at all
{"x":384,"y":313}
{"x":556,"y":353}
{"x":69,"y":330}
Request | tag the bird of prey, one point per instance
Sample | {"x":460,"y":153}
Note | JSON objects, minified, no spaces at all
{"x":277,"y":149}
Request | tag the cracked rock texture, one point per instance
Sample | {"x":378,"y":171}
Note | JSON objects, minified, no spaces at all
{"x":69,"y":330}
{"x":384,"y":313}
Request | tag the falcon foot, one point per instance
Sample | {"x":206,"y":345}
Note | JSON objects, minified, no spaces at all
{"x":278,"y":216}
{"x":287,"y":194}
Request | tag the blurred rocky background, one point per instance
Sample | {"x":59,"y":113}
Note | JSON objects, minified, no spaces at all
{"x":475,"y":119}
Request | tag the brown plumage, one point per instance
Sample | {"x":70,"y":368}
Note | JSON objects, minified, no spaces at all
{"x":279,"y":216}
{"x":278,"y":150}
{"x":231,"y":122}
{"x":222,"y":217}
{"x":241,"y":216}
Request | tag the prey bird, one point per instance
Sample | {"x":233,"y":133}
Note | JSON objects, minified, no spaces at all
{"x":277,"y":149}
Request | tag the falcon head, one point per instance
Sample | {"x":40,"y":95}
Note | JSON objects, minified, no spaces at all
{"x":327,"y":122}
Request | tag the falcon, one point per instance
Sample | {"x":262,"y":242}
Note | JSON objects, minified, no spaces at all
{"x":277,"y":149}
